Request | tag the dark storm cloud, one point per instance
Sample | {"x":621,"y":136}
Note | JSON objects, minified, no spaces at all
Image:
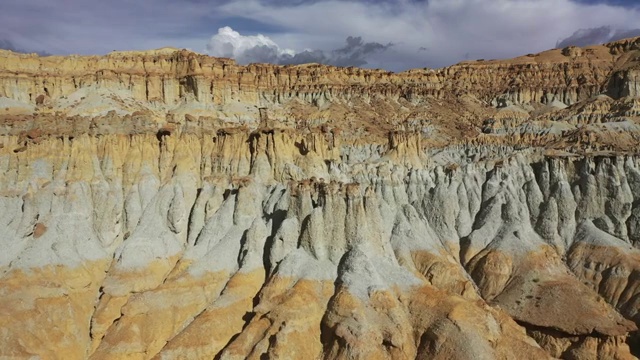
{"x":261,"y":49}
{"x":599,"y":35}
{"x":624,"y":34}
{"x":8,"y":45}
{"x":314,"y":30}
{"x":260,"y":54}
{"x":305,"y":57}
{"x":355,"y":52}
{"x":450,"y":30}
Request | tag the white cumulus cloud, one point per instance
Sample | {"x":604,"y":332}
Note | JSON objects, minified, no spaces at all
{"x":245,"y":48}
{"x":450,"y":30}
{"x":261,"y":49}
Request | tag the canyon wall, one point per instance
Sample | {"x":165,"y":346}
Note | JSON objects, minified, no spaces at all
{"x":170,"y":75}
{"x":170,"y":205}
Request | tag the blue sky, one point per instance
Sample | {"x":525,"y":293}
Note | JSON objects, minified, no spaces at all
{"x":390,"y":34}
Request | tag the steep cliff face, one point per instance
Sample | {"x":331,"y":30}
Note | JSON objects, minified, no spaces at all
{"x":165,"y":78}
{"x":169,"y":205}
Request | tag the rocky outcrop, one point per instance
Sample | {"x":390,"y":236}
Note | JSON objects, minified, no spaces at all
{"x":169,"y":76}
{"x":142,"y":245}
{"x":170,"y":205}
